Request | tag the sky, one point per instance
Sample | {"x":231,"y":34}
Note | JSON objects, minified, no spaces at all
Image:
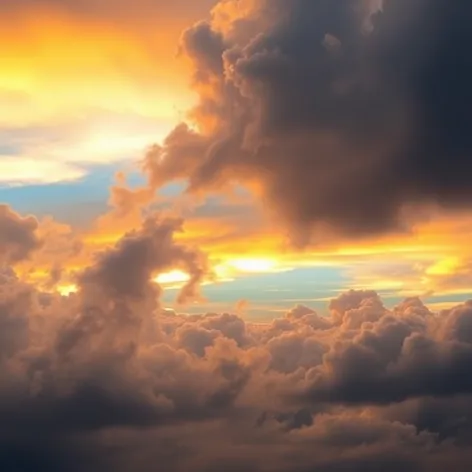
{"x":244,"y":219}
{"x":90,"y":86}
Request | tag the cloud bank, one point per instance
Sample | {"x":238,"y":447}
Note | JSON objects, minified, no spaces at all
{"x":106,"y":379}
{"x":341,"y":115}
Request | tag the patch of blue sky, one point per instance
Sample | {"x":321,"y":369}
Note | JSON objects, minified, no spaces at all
{"x":269,"y":293}
{"x":71,"y":202}
{"x":456,"y":298}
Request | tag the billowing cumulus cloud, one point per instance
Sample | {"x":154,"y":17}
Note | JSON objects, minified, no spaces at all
{"x":125,"y":271}
{"x":106,"y":379}
{"x":342,"y":114}
{"x":18,"y":237}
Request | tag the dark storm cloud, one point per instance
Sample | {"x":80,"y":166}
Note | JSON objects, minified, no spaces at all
{"x":344,"y":113}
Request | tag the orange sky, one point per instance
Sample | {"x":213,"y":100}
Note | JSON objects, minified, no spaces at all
{"x":106,"y":78}
{"x":108,"y":63}
{"x":64,"y":63}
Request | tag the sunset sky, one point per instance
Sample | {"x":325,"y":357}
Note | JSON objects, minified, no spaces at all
{"x":87,"y":87}
{"x":281,"y":185}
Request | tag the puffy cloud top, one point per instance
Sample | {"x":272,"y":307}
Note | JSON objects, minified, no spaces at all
{"x":115,"y":382}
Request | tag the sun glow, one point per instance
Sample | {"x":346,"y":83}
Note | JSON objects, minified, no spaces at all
{"x":167,"y":278}
{"x":253,"y":264}
{"x":444,"y":266}
{"x":66,"y":290}
{"x":172,"y":277}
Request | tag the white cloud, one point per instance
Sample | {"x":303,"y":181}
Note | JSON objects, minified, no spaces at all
{"x":19,"y":170}
{"x":63,"y":152}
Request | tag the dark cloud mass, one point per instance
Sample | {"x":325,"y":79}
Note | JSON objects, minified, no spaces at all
{"x":346,"y":112}
{"x":105,"y":379}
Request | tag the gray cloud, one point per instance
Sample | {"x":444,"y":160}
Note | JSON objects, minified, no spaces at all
{"x":18,"y":236}
{"x":345,"y":114}
{"x":126,"y":270}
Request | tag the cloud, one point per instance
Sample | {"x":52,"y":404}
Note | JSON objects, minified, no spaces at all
{"x":312,"y":104}
{"x":117,"y":382}
{"x":126,"y":270}
{"x":52,"y":152}
{"x":340,"y":115}
{"x":18,"y":236}
{"x":20,"y":171}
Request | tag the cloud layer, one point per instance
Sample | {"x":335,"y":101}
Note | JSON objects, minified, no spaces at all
{"x":340,"y":115}
{"x":106,"y":379}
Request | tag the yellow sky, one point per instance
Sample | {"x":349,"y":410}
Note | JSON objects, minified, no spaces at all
{"x":62,"y":66}
{"x":424,"y":262}
{"x":66,"y":65}
{"x":96,"y":81}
